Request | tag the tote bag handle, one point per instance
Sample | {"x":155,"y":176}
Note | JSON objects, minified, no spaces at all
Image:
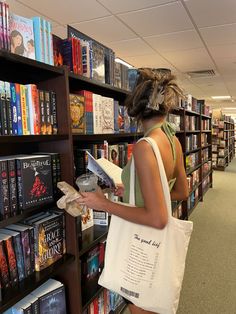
{"x":164,"y":181}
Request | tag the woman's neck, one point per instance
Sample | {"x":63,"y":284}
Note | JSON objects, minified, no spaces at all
{"x":149,"y":123}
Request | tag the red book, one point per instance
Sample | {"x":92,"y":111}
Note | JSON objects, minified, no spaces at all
{"x":36,"y":109}
{"x":4,"y":271}
{"x":79,"y":58}
{"x":11,"y":257}
{"x":95,"y":306}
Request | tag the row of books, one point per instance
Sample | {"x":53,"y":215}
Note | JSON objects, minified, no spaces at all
{"x":205,"y":109}
{"x":191,"y":142}
{"x":193,"y":104}
{"x":191,"y":123}
{"x":48,"y":298}
{"x":177,"y":209}
{"x":176,"y":120}
{"x":205,"y":124}
{"x":204,"y":139}
{"x":25,"y":110}
{"x":31,"y":38}
{"x":119,"y":154}
{"x":30,"y":245}
{"x":206,"y":168}
{"x":193,"y":199}
{"x":106,"y":302}
{"x":193,"y":180}
{"x":95,"y":114}
{"x":192,"y":160}
{"x":27,"y":181}
{"x":205,"y":154}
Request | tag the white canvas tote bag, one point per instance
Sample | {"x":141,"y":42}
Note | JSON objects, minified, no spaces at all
{"x":143,"y":264}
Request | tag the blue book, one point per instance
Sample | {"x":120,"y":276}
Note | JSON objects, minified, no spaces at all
{"x":14,"y":109}
{"x":45,"y":42}
{"x":19,"y":111}
{"x":116,"y":116}
{"x":38,"y":38}
{"x":16,"y":238}
{"x":27,"y":103}
{"x":50,"y":43}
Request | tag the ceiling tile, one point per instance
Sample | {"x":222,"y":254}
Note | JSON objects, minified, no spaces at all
{"x":223,"y":51}
{"x":152,"y":61}
{"x":70,"y":11}
{"x":122,"y":6}
{"x":210,"y":13}
{"x":60,"y":31}
{"x":219,"y":35}
{"x":227,"y":67}
{"x":175,"y":41}
{"x":132,"y":47}
{"x":163,"y":19}
{"x":105,"y":30}
{"x":190,"y":60}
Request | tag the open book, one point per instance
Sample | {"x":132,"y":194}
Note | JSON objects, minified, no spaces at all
{"x":108,"y":172}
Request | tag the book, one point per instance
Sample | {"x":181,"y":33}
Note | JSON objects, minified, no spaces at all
{"x":53,"y":302}
{"x":57,"y":50}
{"x":4,"y":270}
{"x":53,"y":105}
{"x":107,"y":112}
{"x":107,"y":171}
{"x":4,"y":190}
{"x":3,"y":109}
{"x":47,"y":112}
{"x":22,"y":36}
{"x":14,"y":113}
{"x":48,"y":240}
{"x":77,"y":113}
{"x":98,"y":62}
{"x":34,"y":180}
{"x":19,"y":110}
{"x":8,"y":107}
{"x":42,"y":107}
{"x":38,"y":38}
{"x":25,"y":126}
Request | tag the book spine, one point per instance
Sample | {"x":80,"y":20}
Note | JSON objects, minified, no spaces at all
{"x":47,"y":112}
{"x":45,"y":41}
{"x":4,"y":25}
{"x":3,"y":108}
{"x":53,"y":105}
{"x":7,"y":27}
{"x":58,"y":163}
{"x":35,"y":307}
{"x":36,"y":247}
{"x":19,"y":110}
{"x":26,"y":252}
{"x":14,"y":109}
{"x":42,"y":112}
{"x":8,"y":108}
{"x":29,"y":109}
{"x":4,"y":272}
{"x":23,"y":109}
{"x":38,"y":38}
{"x":19,"y":185}
{"x":32,"y":253}
{"x":1,"y":26}
{"x":36,"y":110}
{"x":74,"y":55}
{"x":11,"y":261}
{"x":54,"y":174}
{"x":19,"y":256}
{"x":4,"y":191}
{"x":50,"y":43}
{"x":12,"y":187}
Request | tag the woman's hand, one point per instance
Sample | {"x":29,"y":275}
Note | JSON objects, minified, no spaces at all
{"x":119,"y":191}
{"x":95,"y":200}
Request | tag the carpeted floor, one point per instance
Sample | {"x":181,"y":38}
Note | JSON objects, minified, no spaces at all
{"x":209,"y":285}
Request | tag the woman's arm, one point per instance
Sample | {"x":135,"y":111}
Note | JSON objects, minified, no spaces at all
{"x":154,"y":213}
{"x":180,"y":189}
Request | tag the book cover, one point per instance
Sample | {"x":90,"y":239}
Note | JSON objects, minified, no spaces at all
{"x":113,"y":154}
{"x":87,"y":219}
{"x":121,"y":119}
{"x":35,"y":109}
{"x":49,"y":241}
{"x":42,"y":107}
{"x":8,"y":108}
{"x":14,"y":113}
{"x":3,"y":109}
{"x":53,"y":110}
{"x":85,"y":58}
{"x":98,"y":63}
{"x":34,"y":180}
{"x":19,"y":110}
{"x":116,"y":116}
{"x":1,"y":27}
{"x":25,"y":243}
{"x":38,"y":38}
{"x":88,"y":97}
{"x":25,"y":126}
{"x":4,"y":24}
{"x":16,"y":239}
{"x":50,"y":44}
{"x":77,"y":113}
{"x":47,"y":112}
{"x":11,"y":258}
{"x":97,"y":114}
{"x":53,"y":302}
{"x":11,"y":165}
{"x":4,"y":271}
{"x":45,"y":41}
{"x":117,"y":75}
{"x":107,"y":171}
{"x":22,"y":36}
{"x":4,"y":191}
{"x":32,"y":244}
{"x":107,"y":107}
{"x":57,"y":50}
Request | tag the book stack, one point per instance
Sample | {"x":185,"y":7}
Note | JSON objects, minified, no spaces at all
{"x":193,"y":180}
{"x":95,"y":114}
{"x":205,"y":125}
{"x":47,"y":298}
{"x":27,"y":181}
{"x":191,"y":123}
{"x":192,"y":160}
{"x":30,"y":245}
{"x":191,"y":142}
{"x":26,"y":110}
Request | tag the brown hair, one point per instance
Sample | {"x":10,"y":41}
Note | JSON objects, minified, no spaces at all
{"x":155,"y":94}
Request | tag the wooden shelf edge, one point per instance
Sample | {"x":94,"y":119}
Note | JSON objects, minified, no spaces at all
{"x":32,"y":282}
{"x":88,"y":302}
{"x":94,"y":137}
{"x":11,"y":139}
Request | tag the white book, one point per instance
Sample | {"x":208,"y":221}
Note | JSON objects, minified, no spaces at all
{"x":108,"y":172}
{"x":107,"y":115}
{"x":97,"y":114}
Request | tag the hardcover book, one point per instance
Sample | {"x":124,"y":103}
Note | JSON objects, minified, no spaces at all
{"x":34,"y":180}
{"x":3,"y":109}
{"x":98,"y":62}
{"x":107,"y":107}
{"x":22,"y":36}
{"x":57,"y":50}
{"x":14,"y":108}
{"x":38,"y":38}
{"x":49,"y":240}
{"x":53,"y":302}
{"x":4,"y":190}
{"x":77,"y":113}
{"x":4,"y":271}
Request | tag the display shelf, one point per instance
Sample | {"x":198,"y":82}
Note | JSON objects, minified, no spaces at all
{"x":206,"y":189}
{"x":206,"y":146}
{"x":89,"y":297}
{"x":26,"y":213}
{"x":205,"y":116}
{"x":208,"y":173}
{"x":11,"y":139}
{"x":192,"y":151}
{"x":206,"y":131}
{"x":192,"y":113}
{"x":91,"y":237}
{"x":195,"y":188}
{"x":193,"y":131}
{"x":108,"y":137}
{"x":195,"y":205}
{"x":188,"y":172}
{"x":27,"y":285}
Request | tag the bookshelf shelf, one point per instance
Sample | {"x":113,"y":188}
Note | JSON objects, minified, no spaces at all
{"x":91,"y":237}
{"x":192,"y":113}
{"x":109,"y":137}
{"x":32,"y":282}
{"x":11,"y":139}
{"x":205,"y":116}
{"x":193,"y":131}
{"x":192,"y":151}
{"x":206,"y":131}
{"x":195,"y":205}
{"x":89,"y":297}
{"x":206,"y":146}
{"x":193,"y":169}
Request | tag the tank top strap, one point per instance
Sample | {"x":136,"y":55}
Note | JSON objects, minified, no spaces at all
{"x":169,"y":130}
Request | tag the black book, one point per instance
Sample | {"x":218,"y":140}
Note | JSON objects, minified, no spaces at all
{"x":34,"y":180}
{"x":42,"y":112}
{"x":53,"y":105}
{"x":3,"y":109}
{"x":47,"y":112}
{"x":4,"y":191}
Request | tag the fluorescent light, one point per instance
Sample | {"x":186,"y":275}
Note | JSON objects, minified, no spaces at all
{"x":220,"y":97}
{"x":123,"y":62}
{"x":229,"y":108}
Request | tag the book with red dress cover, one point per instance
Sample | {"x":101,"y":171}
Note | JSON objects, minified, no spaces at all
{"x":34,"y":180}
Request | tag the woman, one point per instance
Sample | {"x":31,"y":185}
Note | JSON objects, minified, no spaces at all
{"x":154,"y":95}
{"x":17,"y":43}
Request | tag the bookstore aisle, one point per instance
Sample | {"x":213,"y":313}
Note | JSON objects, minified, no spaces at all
{"x":210,"y":278}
